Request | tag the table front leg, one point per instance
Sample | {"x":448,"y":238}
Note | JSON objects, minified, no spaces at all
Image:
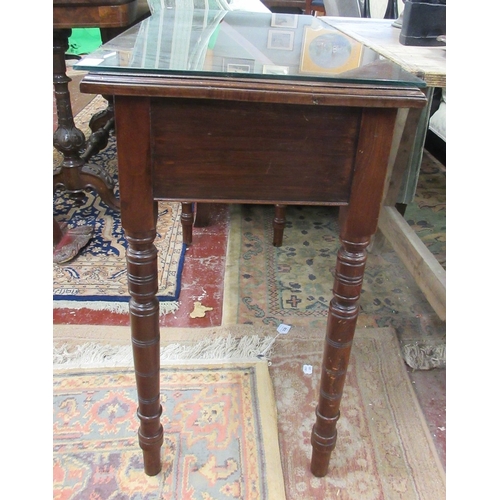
{"x":358,"y":222}
{"x":142,"y":269}
{"x":139,"y":213}
{"x":341,"y":324}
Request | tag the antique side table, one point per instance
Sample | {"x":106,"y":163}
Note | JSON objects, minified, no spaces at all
{"x":237,"y":107}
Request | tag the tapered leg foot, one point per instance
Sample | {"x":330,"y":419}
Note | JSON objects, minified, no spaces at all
{"x":151,"y":452}
{"x":152,"y":462}
{"x":279,"y":224}
{"x":323,"y":441}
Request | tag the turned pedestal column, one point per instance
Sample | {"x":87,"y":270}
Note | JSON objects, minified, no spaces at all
{"x":75,"y":174}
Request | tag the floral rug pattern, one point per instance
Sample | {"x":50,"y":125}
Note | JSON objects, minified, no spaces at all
{"x":219,"y":423}
{"x":384,"y":450}
{"x":213,"y":445}
{"x":292,"y":284}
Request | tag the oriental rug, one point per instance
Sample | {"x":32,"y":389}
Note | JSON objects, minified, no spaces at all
{"x":96,"y":278}
{"x":384,"y":449}
{"x":220,"y":435}
{"x":293,"y":283}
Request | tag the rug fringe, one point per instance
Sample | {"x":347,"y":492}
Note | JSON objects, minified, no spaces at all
{"x":92,"y":354}
{"x":166,"y":307}
{"x":422,"y":356}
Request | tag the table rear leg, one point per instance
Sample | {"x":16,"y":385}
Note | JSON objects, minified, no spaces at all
{"x":139,"y":215}
{"x":279,"y":222}
{"x":187,"y":220}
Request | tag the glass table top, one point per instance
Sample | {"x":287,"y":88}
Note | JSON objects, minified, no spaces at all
{"x":231,"y":43}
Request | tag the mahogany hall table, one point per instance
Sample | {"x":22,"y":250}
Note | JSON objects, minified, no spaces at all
{"x":239,"y":107}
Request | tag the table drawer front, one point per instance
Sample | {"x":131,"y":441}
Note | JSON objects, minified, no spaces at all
{"x":239,"y":151}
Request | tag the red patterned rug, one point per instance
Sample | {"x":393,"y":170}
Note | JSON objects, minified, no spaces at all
{"x":220,"y":435}
{"x":384,"y":449}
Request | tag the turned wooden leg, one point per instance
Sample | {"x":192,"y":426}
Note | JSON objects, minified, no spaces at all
{"x":341,"y":324}
{"x":279,"y":224}
{"x":74,"y":174}
{"x":144,"y":321}
{"x":358,"y":222}
{"x":187,"y":219}
{"x":139,"y":214}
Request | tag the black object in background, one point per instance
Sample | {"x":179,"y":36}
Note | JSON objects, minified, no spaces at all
{"x":423,"y":22}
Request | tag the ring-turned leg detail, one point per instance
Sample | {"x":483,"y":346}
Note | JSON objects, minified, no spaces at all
{"x":342,"y":316}
{"x":74,"y":174}
{"x":144,"y":320}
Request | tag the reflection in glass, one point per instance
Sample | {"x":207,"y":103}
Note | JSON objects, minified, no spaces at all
{"x":221,"y":42}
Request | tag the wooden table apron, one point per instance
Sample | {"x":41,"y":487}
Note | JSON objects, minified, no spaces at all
{"x":253,"y":141}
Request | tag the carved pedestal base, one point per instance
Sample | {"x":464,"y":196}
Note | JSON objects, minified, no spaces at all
{"x":75,"y":174}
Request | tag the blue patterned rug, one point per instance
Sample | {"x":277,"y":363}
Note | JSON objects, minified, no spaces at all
{"x":96,"y":278}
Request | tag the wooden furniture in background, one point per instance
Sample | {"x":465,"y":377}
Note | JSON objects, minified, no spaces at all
{"x":75,"y":174}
